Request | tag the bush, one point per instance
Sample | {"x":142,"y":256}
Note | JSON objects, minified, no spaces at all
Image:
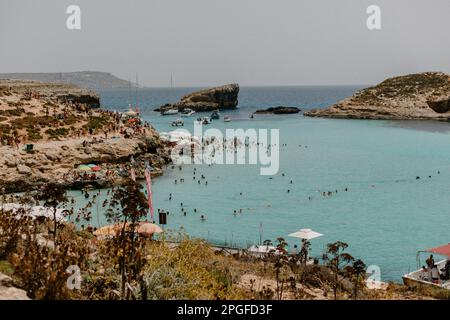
{"x":56,"y":133}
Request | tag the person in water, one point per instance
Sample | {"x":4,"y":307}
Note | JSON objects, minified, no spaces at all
{"x":202,"y":218}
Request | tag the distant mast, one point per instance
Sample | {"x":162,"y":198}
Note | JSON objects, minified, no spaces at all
{"x":171,"y":80}
{"x":130,"y":98}
{"x":137,"y":100}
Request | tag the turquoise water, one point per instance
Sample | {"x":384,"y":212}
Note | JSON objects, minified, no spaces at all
{"x":385,"y":216}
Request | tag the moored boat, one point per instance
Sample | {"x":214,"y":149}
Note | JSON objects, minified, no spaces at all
{"x":187,"y":112}
{"x":177,"y":123}
{"x":226,"y":119}
{"x":204,"y":120}
{"x":169,"y":112}
{"x":426,"y":278}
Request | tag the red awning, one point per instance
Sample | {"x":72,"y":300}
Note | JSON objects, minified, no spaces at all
{"x":442,"y":250}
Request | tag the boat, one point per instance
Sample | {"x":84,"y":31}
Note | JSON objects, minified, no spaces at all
{"x":169,"y":112}
{"x":421,"y":278}
{"x":204,"y":120}
{"x":226,"y":119}
{"x":187,"y":112}
{"x":215,"y":115}
{"x":177,"y":123}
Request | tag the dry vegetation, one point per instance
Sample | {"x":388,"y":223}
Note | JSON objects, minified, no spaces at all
{"x":37,"y":253}
{"x":404,"y":87}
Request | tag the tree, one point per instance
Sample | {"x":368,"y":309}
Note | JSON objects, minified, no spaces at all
{"x":53,"y":195}
{"x":127,"y":206}
{"x":281,"y":260}
{"x":337,"y":260}
{"x":357,"y":272}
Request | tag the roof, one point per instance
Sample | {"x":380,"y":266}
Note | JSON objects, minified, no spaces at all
{"x":442,"y":250}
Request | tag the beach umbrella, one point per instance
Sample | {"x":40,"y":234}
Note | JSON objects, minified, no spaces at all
{"x":148,"y":229}
{"x":306,"y":234}
{"x":96,"y":168}
{"x":92,"y":165}
{"x":84,"y":168}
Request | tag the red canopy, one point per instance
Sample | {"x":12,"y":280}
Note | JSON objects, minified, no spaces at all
{"x":442,"y":250}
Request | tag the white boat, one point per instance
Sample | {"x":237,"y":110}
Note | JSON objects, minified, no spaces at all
{"x":226,"y":119}
{"x":422,"y":276}
{"x":187,"y":112}
{"x":204,"y":120}
{"x":169,"y":112}
{"x":177,"y":123}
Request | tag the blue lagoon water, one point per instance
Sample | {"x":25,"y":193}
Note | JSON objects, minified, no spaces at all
{"x":385,"y":216}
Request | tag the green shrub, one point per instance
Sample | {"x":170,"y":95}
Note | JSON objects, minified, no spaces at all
{"x":59,"y":132}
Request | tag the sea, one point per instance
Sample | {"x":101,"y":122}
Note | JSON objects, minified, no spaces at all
{"x":396,"y":173}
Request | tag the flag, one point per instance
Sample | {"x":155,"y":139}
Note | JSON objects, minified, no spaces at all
{"x":148,"y":179}
{"x":133,"y":174}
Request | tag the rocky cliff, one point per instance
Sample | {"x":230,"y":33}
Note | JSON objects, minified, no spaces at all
{"x":65,"y":131}
{"x":50,"y":91}
{"x":416,"y":96}
{"x":224,"y":97}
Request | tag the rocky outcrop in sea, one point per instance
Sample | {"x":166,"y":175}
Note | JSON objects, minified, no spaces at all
{"x":224,"y":97}
{"x":416,"y":96}
{"x":278,"y":110}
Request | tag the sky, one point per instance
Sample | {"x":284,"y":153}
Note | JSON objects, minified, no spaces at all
{"x":211,"y":42}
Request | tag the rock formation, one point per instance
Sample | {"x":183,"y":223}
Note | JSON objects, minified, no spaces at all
{"x":52,"y":91}
{"x":61,"y":135}
{"x":416,"y":96}
{"x":278,"y":110}
{"x":224,"y":97}
{"x":8,"y":291}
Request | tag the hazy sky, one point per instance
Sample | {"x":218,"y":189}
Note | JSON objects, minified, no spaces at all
{"x":211,"y":42}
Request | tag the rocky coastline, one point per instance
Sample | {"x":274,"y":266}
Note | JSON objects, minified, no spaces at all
{"x":422,"y":96}
{"x":48,"y":130}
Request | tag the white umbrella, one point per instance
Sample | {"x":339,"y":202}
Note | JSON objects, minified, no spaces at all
{"x":306,"y":234}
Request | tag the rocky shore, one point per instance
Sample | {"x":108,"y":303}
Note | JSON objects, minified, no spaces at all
{"x":416,"y":97}
{"x":48,"y":130}
{"x":218,"y":98}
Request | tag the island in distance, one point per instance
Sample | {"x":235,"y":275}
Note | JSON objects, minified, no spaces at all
{"x":218,"y":98}
{"x":411,"y":97}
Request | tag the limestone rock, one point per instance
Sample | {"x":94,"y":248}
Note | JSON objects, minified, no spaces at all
{"x":224,"y":97}
{"x":23,"y":169}
{"x":416,"y":96}
{"x":8,"y":292}
{"x":278,"y":110}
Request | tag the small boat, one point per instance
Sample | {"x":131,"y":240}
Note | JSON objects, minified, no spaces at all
{"x":215,"y":115}
{"x":226,"y":119}
{"x":169,"y":112}
{"x":204,"y":120}
{"x":178,"y":123}
{"x":187,"y":112}
{"x":423,"y":276}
